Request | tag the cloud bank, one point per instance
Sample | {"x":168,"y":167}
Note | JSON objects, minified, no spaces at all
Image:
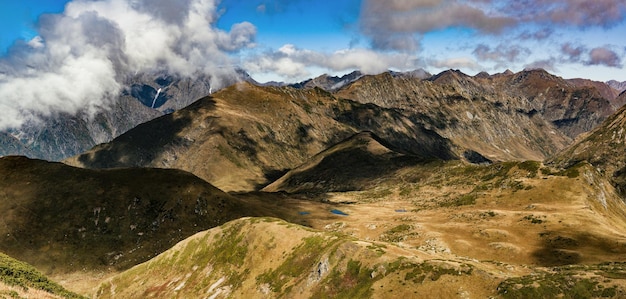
{"x":81,"y":57}
{"x":292,"y":62}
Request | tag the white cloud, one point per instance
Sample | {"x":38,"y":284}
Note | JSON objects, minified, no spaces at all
{"x":456,"y":63}
{"x":294,"y":63}
{"x":81,"y":57}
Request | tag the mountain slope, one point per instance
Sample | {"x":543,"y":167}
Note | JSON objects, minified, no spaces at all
{"x":573,"y":106}
{"x":329,"y":83}
{"x":246,"y":259}
{"x":258,"y":133}
{"x":603,"y":147}
{"x":619,"y":86}
{"x":354,"y":164}
{"x":249,"y":258}
{"x":473,"y":114}
{"x":63,"y":135}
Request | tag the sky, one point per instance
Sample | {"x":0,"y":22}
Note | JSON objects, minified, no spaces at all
{"x":69,"y":56}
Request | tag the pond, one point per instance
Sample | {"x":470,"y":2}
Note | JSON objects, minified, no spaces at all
{"x":338,"y":212}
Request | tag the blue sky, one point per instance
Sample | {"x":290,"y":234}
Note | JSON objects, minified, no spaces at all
{"x":60,"y":55}
{"x":18,"y":19}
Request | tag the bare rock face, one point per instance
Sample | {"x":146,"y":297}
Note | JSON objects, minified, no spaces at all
{"x":62,"y":135}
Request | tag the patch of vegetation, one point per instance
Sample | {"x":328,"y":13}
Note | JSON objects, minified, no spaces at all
{"x":498,"y":170}
{"x":377,"y":194}
{"x":463,"y":200}
{"x":488,"y":214}
{"x":11,"y":294}
{"x":302,"y":259}
{"x":418,"y":273}
{"x":534,"y":219}
{"x":397,"y":233}
{"x":572,"y":171}
{"x":563,"y":284}
{"x":400,"y":229}
{"x":378,"y":248}
{"x":354,"y":282}
{"x":226,"y":153}
{"x":518,"y":185}
{"x":531,"y":166}
{"x":20,"y":274}
{"x":407,"y":190}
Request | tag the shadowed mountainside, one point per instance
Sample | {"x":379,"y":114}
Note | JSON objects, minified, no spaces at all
{"x":60,"y":218}
{"x":357,"y":163}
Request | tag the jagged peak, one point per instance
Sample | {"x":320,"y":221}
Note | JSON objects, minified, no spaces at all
{"x":482,"y":74}
{"x":448,"y":74}
{"x":530,"y":75}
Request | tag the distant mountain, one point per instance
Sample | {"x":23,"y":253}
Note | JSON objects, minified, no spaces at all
{"x":418,"y":73}
{"x":476,"y":114}
{"x":605,"y":90}
{"x":620,"y":86}
{"x":168,"y":93}
{"x":146,"y":97}
{"x":258,"y":133}
{"x":572,"y":108}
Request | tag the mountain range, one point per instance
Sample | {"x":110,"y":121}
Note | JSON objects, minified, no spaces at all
{"x":393,"y":185}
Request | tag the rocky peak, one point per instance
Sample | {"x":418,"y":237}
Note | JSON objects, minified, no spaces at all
{"x":617,"y":85}
{"x":329,"y":83}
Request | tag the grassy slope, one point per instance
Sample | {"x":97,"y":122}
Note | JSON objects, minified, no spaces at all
{"x":246,"y":258}
{"x":19,"y":279}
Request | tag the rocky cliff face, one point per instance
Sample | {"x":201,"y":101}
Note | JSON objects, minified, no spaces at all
{"x":572,"y":108}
